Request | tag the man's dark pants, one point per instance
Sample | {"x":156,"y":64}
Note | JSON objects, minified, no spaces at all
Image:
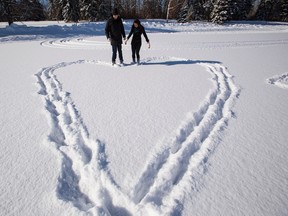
{"x":115,"y":47}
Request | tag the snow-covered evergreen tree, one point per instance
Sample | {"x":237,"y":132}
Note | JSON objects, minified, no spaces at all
{"x":104,"y":10}
{"x":21,"y":10}
{"x":192,"y":10}
{"x":71,"y":11}
{"x":207,"y":9}
{"x":88,"y":9}
{"x":183,"y":14}
{"x":240,"y":9}
{"x":149,"y":9}
{"x":196,"y":10}
{"x":55,"y":9}
{"x":38,"y":11}
{"x":94,"y":10}
{"x":284,"y":11}
{"x":265,"y":11}
{"x":118,"y":4}
{"x":30,"y":10}
{"x":6,"y":11}
{"x":2,"y":11}
{"x":220,"y":12}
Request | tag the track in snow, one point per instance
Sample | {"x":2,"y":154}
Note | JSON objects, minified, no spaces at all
{"x":235,"y":44}
{"x":77,"y":43}
{"x":279,"y":81}
{"x":91,"y":44}
{"x":169,"y":175}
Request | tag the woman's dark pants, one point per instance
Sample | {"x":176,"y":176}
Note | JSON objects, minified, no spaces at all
{"x":136,"y":51}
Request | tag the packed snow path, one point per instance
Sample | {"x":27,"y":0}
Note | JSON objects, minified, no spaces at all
{"x":168,"y":177}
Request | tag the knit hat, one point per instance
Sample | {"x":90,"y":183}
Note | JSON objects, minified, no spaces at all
{"x":115,"y":12}
{"x":137,"y":21}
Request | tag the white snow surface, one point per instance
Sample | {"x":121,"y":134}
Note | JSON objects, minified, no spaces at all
{"x":195,"y":129}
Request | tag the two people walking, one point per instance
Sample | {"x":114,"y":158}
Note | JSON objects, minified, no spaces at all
{"x":114,"y":31}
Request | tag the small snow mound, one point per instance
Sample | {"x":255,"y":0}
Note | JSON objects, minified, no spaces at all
{"x":280,"y":81}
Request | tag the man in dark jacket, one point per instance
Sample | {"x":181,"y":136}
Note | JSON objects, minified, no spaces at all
{"x":114,"y":31}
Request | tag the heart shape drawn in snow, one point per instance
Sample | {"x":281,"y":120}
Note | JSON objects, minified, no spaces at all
{"x":168,"y":176}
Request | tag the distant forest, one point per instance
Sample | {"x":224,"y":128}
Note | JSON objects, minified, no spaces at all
{"x":217,"y":11}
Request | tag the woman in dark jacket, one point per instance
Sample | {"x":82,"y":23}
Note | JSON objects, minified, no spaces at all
{"x":137,"y":30}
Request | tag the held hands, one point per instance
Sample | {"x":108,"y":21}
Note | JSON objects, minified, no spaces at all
{"x":126,"y":40}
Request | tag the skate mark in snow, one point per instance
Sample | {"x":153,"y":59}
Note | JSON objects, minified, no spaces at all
{"x":280,"y":81}
{"x":77,"y":43}
{"x":237,"y":44}
{"x":92,"y":44}
{"x":169,"y":175}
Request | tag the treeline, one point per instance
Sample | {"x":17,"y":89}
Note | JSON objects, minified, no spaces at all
{"x":21,"y":10}
{"x":75,"y":10}
{"x":217,"y":11}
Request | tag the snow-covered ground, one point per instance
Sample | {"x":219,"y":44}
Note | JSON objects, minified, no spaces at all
{"x":199,"y":128}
